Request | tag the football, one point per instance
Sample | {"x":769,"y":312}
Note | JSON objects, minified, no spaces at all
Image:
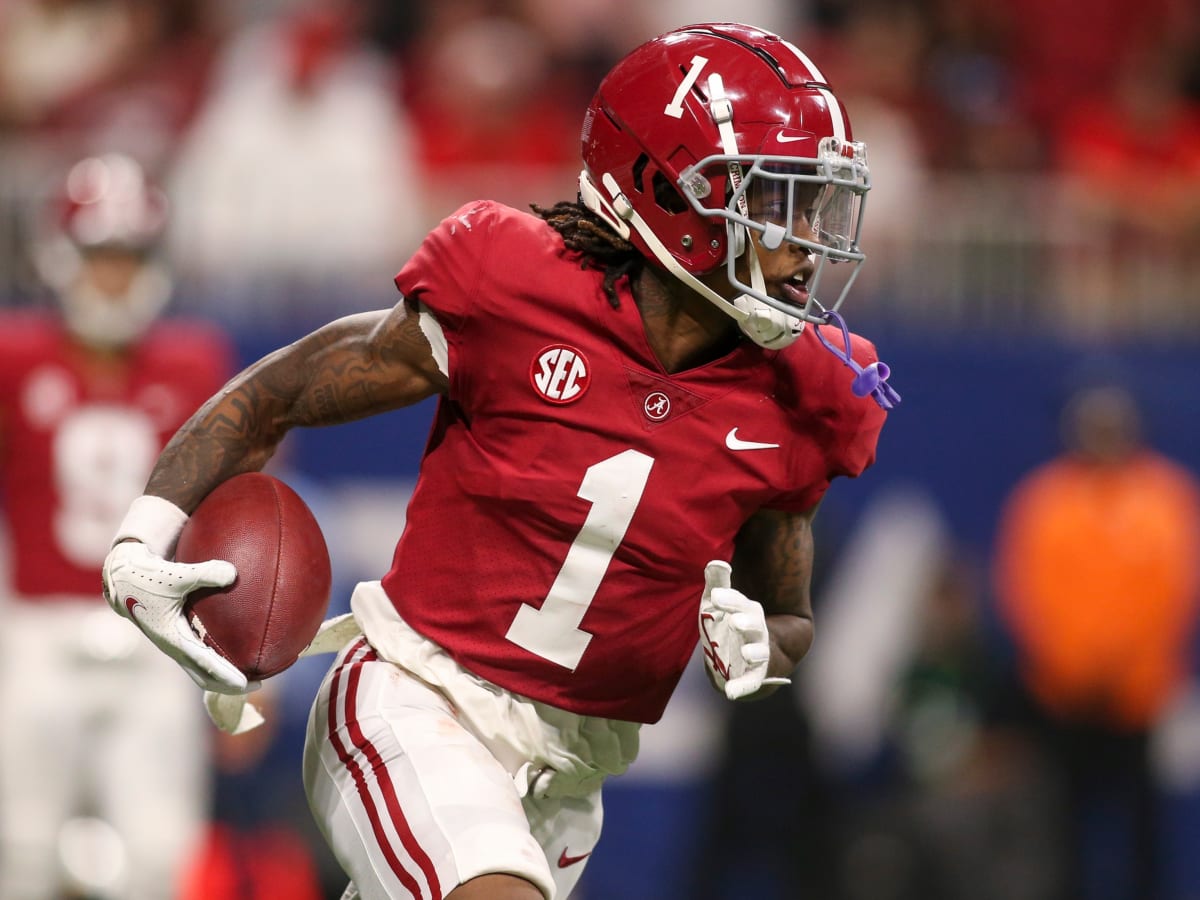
{"x":273,"y":609}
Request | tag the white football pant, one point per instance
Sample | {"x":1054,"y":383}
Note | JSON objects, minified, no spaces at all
{"x":414,"y":801}
{"x":96,"y":722}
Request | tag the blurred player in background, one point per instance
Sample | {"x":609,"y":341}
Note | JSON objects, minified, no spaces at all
{"x":634,"y":390}
{"x":1097,"y":573}
{"x":96,"y":727}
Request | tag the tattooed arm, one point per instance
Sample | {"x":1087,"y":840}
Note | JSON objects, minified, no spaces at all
{"x":351,"y":368}
{"x":772,"y":563}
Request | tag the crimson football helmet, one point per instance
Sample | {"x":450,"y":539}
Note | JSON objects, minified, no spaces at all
{"x":710,"y":132}
{"x":96,"y":249}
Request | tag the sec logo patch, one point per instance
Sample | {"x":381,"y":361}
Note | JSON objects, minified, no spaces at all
{"x":560,"y":374}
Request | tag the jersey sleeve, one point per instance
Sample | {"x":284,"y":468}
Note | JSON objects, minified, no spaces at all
{"x":844,"y":428}
{"x":446,"y":274}
{"x":857,"y":426}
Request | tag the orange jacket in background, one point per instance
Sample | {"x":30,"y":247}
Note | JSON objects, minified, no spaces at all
{"x":1098,"y":577}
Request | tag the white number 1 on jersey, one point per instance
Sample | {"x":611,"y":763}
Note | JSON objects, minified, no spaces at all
{"x":614,"y":487}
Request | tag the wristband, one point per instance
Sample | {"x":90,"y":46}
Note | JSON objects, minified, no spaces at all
{"x":154,"y":521}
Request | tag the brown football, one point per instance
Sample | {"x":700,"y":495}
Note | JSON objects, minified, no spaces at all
{"x":272,"y":610}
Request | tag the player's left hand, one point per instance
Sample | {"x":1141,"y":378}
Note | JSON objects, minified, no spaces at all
{"x":151,"y":591}
{"x":733,"y":635}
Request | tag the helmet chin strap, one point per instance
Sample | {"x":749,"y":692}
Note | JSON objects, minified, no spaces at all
{"x":621,"y":215}
{"x":763,"y":324}
{"x":767,"y":327}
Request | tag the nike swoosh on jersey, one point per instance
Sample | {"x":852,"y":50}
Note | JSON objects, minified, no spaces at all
{"x":733,"y":442}
{"x":564,"y":860}
{"x":791,"y":138}
{"x":132,"y":603}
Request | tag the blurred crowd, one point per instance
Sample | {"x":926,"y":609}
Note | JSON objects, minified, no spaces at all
{"x":1038,"y":148}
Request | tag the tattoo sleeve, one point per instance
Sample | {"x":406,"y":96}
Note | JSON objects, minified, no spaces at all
{"x":352,"y":368}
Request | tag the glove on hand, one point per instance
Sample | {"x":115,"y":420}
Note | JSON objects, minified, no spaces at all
{"x":733,"y":633}
{"x":142,"y":586}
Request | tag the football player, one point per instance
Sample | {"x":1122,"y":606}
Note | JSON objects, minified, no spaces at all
{"x":643,"y":397}
{"x":89,"y":394}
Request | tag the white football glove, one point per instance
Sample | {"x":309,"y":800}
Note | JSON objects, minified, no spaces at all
{"x":142,"y":586}
{"x":733,"y":635}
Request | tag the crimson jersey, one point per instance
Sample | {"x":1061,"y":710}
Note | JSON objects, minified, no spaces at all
{"x":572,"y":490}
{"x":79,"y":434}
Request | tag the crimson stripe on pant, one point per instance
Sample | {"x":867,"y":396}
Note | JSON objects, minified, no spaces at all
{"x":352,"y":668}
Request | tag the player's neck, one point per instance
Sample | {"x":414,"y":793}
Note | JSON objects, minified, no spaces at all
{"x":684,"y":330}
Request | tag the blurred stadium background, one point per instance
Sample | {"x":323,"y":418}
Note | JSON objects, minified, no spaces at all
{"x":1035,"y":210}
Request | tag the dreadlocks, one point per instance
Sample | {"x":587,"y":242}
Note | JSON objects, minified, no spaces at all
{"x":601,"y":248}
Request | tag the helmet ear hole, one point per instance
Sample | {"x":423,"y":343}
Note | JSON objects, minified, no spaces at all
{"x":638,"y":170}
{"x":666,"y":195}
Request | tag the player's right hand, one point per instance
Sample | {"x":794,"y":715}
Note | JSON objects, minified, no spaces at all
{"x":151,"y":591}
{"x":733,"y":636}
